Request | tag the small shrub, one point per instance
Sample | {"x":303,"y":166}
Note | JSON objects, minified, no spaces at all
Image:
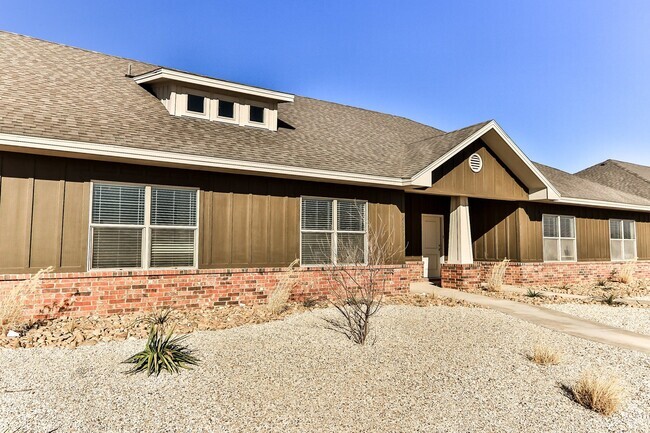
{"x":626,"y":274}
{"x":601,"y":394}
{"x":532,"y":293}
{"x":495,"y":280}
{"x":565,"y":287}
{"x":12,"y":302}
{"x":601,"y":282}
{"x":609,"y":300}
{"x":163,"y":351}
{"x":277,"y":300}
{"x":309,"y":302}
{"x":545,"y":355}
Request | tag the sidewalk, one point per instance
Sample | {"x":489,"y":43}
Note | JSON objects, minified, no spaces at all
{"x":547,"y":318}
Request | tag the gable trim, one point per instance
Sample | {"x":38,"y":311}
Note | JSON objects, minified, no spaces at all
{"x":423,"y":177}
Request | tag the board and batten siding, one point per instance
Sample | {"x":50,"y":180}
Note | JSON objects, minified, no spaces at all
{"x":244,"y":221}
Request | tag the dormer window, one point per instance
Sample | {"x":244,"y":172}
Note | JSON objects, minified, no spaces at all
{"x":210,"y":99}
{"x":226,"y":109}
{"x":195,"y":103}
{"x":256,"y":114}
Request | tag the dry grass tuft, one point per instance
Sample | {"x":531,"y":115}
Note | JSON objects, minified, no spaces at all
{"x":12,"y":301}
{"x":277,"y":300}
{"x":626,"y":274}
{"x":545,"y":355}
{"x":602,"y":394}
{"x":495,"y":280}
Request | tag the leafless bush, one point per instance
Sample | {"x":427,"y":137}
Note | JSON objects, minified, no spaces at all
{"x":495,"y":280}
{"x":626,"y":274}
{"x":545,"y":355}
{"x":598,"y":393}
{"x":358,"y":281}
{"x":277,"y":300}
{"x":12,"y":301}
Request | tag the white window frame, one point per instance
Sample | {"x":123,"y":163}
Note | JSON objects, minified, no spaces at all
{"x":559,"y":239}
{"x":622,"y":240}
{"x":235,"y":110}
{"x":207,"y":103}
{"x":245,"y":114}
{"x":146,"y":227}
{"x":334,"y":231}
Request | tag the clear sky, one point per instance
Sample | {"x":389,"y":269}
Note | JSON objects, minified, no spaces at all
{"x":568,"y":80}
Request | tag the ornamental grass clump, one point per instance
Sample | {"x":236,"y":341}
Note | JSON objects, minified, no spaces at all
{"x":13,"y":299}
{"x":626,"y":274}
{"x":163,"y":351}
{"x":600,"y":394}
{"x":498,"y":272}
{"x":277,"y":300}
{"x":545,"y":355}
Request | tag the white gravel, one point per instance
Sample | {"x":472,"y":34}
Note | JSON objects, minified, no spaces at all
{"x":435,"y":369}
{"x":630,"y":318}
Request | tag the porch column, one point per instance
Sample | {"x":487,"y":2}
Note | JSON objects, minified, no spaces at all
{"x":460,"y":235}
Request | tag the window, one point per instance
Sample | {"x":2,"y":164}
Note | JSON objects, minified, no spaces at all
{"x":256,"y":114}
{"x":137,"y":226}
{"x":195,"y":103}
{"x":622,"y":240}
{"x":226,"y":109}
{"x":559,"y":238}
{"x":333,"y":231}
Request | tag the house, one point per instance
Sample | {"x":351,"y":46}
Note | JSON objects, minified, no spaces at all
{"x":144,"y":185}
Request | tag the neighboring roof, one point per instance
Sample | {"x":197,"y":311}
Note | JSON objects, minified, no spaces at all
{"x":625,"y":176}
{"x":570,"y":185}
{"x":79,"y":102}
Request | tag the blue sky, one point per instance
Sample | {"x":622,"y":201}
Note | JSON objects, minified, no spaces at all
{"x":569,"y":81}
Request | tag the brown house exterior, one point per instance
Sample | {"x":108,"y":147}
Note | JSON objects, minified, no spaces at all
{"x":145,"y":186}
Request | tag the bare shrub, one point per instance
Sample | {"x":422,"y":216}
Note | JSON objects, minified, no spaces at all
{"x":12,"y":301}
{"x":358,"y":280}
{"x":603,"y":394}
{"x":626,"y":274}
{"x":498,"y":272}
{"x":545,"y":355}
{"x":277,"y":300}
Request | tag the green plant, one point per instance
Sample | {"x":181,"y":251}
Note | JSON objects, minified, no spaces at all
{"x":309,"y":302}
{"x":601,"y":282}
{"x":609,"y":300}
{"x":162,"y":351}
{"x":160,"y":318}
{"x":532,"y":293}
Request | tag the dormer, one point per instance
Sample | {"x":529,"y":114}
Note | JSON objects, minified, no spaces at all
{"x":215,"y":100}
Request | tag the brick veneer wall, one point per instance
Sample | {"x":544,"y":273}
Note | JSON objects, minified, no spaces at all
{"x":117,"y":292}
{"x":536,"y":274}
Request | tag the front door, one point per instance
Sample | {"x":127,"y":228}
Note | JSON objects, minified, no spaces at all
{"x":432,"y":243}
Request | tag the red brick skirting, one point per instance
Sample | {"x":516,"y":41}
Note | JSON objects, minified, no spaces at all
{"x":118,"y":292}
{"x":536,"y":274}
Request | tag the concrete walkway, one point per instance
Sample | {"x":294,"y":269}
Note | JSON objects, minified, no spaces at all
{"x":547,"y":318}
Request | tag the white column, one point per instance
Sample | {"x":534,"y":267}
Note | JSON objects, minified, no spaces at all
{"x":460,"y":235}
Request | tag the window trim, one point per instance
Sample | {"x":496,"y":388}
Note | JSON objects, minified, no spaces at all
{"x":559,"y":238}
{"x":146,"y":227}
{"x":621,"y":221}
{"x":235,"y":110}
{"x":207,"y":103}
{"x":334,"y":232}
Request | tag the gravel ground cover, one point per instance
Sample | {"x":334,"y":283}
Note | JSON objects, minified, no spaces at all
{"x":625,"y":317}
{"x":432,"y":369}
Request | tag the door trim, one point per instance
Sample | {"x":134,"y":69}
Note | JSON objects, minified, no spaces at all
{"x":442,"y":240}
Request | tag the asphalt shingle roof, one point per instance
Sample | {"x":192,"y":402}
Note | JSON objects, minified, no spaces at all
{"x":55,"y":91}
{"x":625,"y":176}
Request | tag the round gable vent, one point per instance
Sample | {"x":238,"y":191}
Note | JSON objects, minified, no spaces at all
{"x":475,"y":162}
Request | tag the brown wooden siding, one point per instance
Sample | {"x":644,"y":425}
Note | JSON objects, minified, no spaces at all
{"x":244,"y":221}
{"x":494,"y":180}
{"x":592,"y":230}
{"x":494,"y":229}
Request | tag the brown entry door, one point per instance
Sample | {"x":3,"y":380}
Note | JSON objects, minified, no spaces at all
{"x":432,"y":243}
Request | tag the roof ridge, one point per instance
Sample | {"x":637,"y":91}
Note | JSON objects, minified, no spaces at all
{"x":627,"y":170}
{"x":87,"y":50}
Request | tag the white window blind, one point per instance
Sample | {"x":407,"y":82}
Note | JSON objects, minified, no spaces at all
{"x":559,"y":234}
{"x":134,"y":226}
{"x":333,"y":231}
{"x":622,"y":240}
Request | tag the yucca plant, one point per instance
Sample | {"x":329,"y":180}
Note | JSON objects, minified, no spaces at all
{"x":609,"y":300}
{"x":163,"y":350}
{"x":531,"y":293}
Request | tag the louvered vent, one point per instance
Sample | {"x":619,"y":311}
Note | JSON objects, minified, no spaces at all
{"x":475,"y":162}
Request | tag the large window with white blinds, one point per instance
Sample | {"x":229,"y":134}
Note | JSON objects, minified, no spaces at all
{"x":559,"y":232}
{"x":333,"y":231}
{"x":622,"y":240}
{"x":137,"y":226}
